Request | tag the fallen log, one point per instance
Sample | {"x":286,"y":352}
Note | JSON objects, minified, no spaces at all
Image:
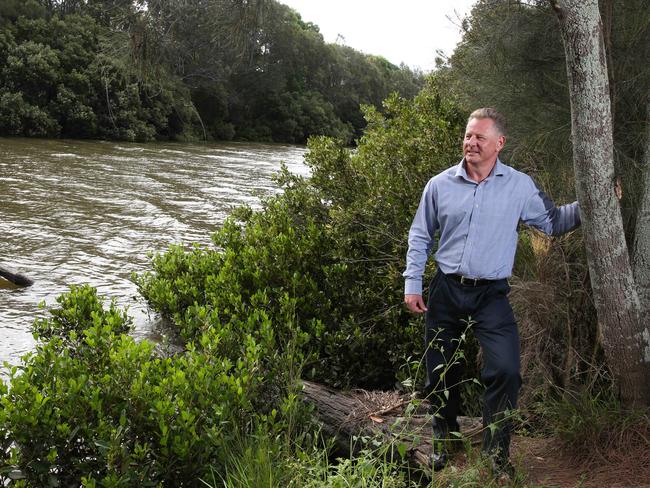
{"x":399,"y":422}
{"x":16,"y":278}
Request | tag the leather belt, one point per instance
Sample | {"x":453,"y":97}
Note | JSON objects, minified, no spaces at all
{"x":464,"y":280}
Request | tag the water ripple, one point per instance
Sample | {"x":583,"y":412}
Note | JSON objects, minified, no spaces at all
{"x":74,"y":212}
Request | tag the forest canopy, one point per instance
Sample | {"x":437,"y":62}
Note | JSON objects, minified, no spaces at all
{"x":198,"y":69}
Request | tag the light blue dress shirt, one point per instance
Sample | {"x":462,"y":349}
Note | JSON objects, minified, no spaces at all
{"x":478,"y":223}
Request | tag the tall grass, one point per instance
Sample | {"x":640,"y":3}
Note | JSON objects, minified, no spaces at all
{"x":266,"y":462}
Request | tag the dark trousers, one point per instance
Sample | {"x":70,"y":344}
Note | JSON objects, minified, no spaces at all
{"x":453,"y":310}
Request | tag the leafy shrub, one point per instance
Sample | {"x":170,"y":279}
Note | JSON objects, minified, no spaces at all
{"x":271,"y":268}
{"x":32,"y":68}
{"x":93,"y":406}
{"x":332,"y":245}
{"x":76,"y":117}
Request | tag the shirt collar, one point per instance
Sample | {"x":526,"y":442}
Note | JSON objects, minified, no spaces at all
{"x":498,"y":169}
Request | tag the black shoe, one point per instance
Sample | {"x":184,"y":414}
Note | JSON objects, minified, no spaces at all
{"x":438,"y":458}
{"x":439,"y":455}
{"x":502,"y":467}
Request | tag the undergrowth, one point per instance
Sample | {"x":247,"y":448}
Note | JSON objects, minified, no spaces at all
{"x":593,"y":428}
{"x":262,"y":462}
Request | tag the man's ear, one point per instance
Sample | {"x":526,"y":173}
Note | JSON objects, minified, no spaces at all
{"x":501,"y":141}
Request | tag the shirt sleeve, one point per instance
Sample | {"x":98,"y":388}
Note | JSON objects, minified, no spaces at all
{"x":540,"y":212}
{"x":421,"y":237}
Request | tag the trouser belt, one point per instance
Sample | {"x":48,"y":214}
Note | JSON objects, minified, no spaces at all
{"x":464,"y":280}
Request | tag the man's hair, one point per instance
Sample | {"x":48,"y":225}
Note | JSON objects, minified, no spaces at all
{"x":492,"y":114}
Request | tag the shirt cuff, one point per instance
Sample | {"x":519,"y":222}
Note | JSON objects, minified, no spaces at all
{"x":413,"y":287}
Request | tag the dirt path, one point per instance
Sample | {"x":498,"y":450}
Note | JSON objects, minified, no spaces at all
{"x":544,"y":465}
{"x":548,"y":466}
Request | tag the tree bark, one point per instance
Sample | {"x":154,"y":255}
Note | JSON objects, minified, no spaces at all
{"x":614,"y":290}
{"x":607,"y":9}
{"x":641,"y":250}
{"x":383,"y":416}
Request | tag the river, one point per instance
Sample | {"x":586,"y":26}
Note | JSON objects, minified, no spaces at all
{"x":74,"y":212}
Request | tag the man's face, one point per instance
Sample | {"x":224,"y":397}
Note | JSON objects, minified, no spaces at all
{"x":482,"y":142}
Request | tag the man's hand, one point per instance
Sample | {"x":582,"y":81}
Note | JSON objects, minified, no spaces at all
{"x":618,"y":188}
{"x":415,"y":303}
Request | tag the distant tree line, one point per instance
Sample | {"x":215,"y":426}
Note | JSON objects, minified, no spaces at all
{"x":181,"y":70}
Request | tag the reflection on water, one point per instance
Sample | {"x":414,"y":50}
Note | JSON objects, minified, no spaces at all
{"x":75,"y":212}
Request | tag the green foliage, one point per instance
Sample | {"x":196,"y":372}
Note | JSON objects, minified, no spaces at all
{"x":92,"y":406}
{"x":373,"y":195}
{"x":181,"y":70}
{"x":64,"y":77}
{"x":297,"y":85}
{"x":331,"y":249}
{"x":262,"y":461}
{"x":269,"y":270}
{"x":11,"y":10}
{"x":294,"y":116}
{"x":18,"y":117}
{"x":366,"y":469}
{"x":265,"y":461}
{"x":33,"y":68}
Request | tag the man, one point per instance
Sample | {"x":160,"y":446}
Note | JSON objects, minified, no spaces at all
{"x":475,"y":207}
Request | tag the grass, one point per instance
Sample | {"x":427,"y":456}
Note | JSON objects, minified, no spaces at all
{"x":264,"y":461}
{"x":594,"y":428}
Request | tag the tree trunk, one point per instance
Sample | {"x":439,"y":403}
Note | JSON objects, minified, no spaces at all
{"x":383,"y":416}
{"x":614,"y":290}
{"x":641,"y":256}
{"x":607,"y":9}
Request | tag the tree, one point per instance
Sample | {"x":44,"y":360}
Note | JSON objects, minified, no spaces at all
{"x":151,"y":69}
{"x":641,"y":249}
{"x":625,"y":338}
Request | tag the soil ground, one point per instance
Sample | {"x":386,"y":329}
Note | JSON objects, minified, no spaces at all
{"x":545,"y":464}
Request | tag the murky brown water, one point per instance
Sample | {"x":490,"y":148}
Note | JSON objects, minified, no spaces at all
{"x":75,"y":212}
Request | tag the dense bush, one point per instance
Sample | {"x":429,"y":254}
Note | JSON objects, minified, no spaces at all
{"x":92,"y":405}
{"x":333,"y":246}
{"x":63,"y":77}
